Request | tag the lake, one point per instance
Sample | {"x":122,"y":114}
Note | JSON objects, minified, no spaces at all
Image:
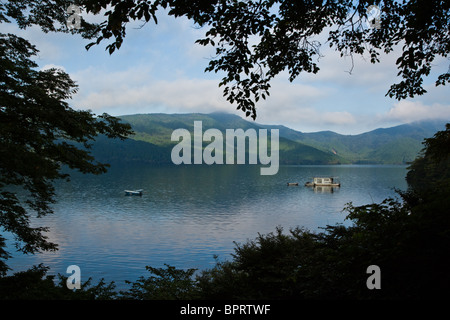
{"x":188,"y":214}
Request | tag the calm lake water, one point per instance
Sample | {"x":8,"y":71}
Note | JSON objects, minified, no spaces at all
{"x":188,"y":214}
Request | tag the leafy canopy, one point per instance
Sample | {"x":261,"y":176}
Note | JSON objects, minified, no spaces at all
{"x":40,"y":134}
{"x":255,"y":40}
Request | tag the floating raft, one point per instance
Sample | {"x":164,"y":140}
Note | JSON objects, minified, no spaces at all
{"x":323,"y":182}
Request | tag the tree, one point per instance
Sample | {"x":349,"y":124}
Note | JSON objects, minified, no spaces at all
{"x":40,"y":135}
{"x":432,"y":167}
{"x":255,"y":40}
{"x":167,"y":283}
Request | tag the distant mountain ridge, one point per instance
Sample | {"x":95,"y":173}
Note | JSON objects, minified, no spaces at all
{"x":152,"y":143}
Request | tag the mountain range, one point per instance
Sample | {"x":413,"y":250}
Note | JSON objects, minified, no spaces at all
{"x":151,"y":142}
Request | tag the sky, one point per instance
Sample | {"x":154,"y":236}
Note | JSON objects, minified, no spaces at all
{"x":160,"y":69}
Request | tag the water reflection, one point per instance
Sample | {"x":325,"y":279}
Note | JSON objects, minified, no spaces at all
{"x":324,"y":189}
{"x":188,"y":214}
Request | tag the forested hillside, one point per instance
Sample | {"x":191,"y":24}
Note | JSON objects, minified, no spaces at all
{"x":152,"y":143}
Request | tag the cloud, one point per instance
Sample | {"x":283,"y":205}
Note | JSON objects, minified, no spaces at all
{"x":306,"y":118}
{"x":356,"y":70}
{"x":136,"y":90}
{"x":409,"y":111}
{"x":338,"y":118}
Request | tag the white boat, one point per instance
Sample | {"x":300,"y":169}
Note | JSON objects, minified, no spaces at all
{"x":134,"y":192}
{"x":323,"y":182}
